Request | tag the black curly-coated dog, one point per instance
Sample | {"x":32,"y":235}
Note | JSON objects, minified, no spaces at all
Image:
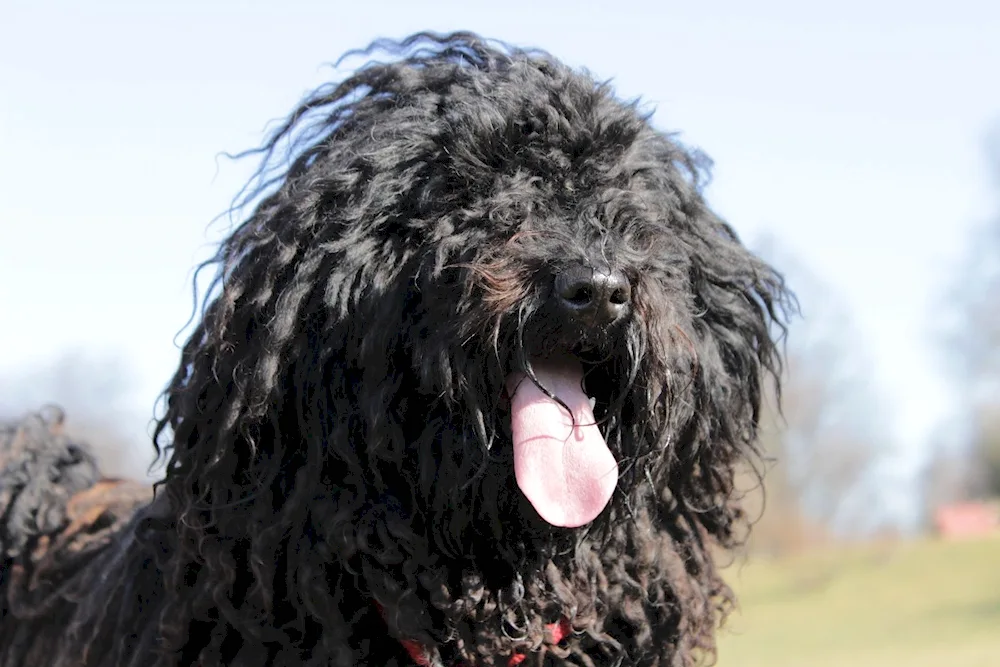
{"x":471,"y":388}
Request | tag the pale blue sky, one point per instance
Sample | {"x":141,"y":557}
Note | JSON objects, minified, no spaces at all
{"x":851,"y":131}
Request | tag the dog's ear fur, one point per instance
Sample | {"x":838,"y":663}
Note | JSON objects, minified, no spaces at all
{"x":737,"y":324}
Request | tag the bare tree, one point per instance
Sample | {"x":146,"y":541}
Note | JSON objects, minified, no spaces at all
{"x":827,"y":441}
{"x":973,"y":338}
{"x":969,"y":319}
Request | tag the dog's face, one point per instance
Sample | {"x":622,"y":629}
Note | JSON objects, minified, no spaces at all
{"x":561,"y":272}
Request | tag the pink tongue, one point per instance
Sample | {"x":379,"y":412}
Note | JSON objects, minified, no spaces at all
{"x":567,"y":472}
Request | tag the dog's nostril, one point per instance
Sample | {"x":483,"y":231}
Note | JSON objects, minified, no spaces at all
{"x":578,"y":294}
{"x":620,"y":296}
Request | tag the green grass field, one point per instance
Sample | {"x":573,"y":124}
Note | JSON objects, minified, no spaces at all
{"x":910,"y":604}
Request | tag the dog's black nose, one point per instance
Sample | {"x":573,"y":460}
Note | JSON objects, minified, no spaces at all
{"x":595,"y":295}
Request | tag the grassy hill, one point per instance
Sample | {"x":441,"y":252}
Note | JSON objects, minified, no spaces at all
{"x":913,"y":604}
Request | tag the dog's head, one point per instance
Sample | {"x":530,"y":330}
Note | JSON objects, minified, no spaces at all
{"x":484,"y":303}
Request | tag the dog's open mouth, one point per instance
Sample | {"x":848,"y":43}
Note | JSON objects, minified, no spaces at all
{"x":561,"y":462}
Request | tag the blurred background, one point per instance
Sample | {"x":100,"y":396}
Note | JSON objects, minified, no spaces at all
{"x":857,"y":147}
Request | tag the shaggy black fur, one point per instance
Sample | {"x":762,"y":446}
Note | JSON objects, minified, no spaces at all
{"x":337,"y":436}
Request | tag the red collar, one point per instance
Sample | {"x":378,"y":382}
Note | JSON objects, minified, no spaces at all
{"x":421,"y":656}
